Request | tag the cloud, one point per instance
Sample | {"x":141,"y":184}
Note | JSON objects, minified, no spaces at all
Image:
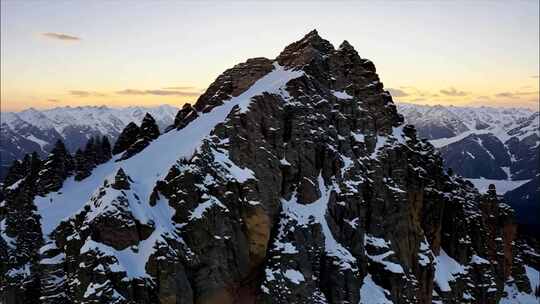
{"x":416,"y":92}
{"x":507,"y":95}
{"x":59,"y":36}
{"x":180,"y":88}
{"x":159,"y":92}
{"x":397,"y":92}
{"x":516,"y":94}
{"x":80,"y":93}
{"x":453,"y":92}
{"x":53,"y":100}
{"x":535,"y":76}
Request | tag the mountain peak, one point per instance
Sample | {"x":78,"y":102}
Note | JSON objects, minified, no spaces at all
{"x":345,"y":45}
{"x":314,"y":34}
{"x":301,"y":52}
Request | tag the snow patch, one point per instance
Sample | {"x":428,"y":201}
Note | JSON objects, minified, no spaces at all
{"x":446,"y":270}
{"x":315,"y":213}
{"x":342,"y":95}
{"x":371,"y":293}
{"x":502,"y":186}
{"x":294,"y":276}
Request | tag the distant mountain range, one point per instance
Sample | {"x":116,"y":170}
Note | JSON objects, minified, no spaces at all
{"x":37,"y":130}
{"x":487,"y":145}
{"x":483,"y":142}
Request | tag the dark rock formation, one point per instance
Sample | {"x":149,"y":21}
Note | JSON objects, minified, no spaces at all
{"x":135,"y":141}
{"x":128,"y":136}
{"x":105,"y":150}
{"x":186,"y":115}
{"x":149,"y":128}
{"x":55,"y":169}
{"x":97,"y":151}
{"x":232,"y":83}
{"x":83,"y":167}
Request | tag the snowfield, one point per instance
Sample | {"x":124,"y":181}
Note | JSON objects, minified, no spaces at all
{"x":502,"y":186}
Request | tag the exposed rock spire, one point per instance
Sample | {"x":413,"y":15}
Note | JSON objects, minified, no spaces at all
{"x":128,"y":136}
{"x":149,"y":128}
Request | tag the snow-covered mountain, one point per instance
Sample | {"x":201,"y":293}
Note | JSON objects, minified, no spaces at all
{"x":453,"y":123}
{"x":481,"y":142}
{"x":290,"y":180}
{"x":37,"y":130}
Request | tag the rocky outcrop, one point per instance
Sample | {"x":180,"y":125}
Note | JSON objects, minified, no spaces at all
{"x":186,"y":115}
{"x":55,"y":169}
{"x":309,"y":189}
{"x":233,"y":82}
{"x":134,"y":139}
{"x":128,"y":136}
{"x":149,"y":128}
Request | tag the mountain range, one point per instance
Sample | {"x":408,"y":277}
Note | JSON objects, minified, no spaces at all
{"x":32,"y":130}
{"x":290,"y":180}
{"x":481,"y":142}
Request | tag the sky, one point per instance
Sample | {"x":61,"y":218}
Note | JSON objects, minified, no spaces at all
{"x":120,"y":53}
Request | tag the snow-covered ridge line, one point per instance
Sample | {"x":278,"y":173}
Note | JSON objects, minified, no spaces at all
{"x":486,"y":108}
{"x":465,"y":121}
{"x":97,"y":116}
{"x":154,"y":162}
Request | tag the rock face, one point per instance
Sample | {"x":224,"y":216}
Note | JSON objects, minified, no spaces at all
{"x":127,"y":138}
{"x":186,"y":115}
{"x":134,"y":139}
{"x":291,"y":180}
{"x":149,"y":127}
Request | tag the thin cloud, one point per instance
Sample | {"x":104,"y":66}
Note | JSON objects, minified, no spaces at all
{"x":397,"y":92}
{"x":80,"y":93}
{"x":159,"y":92}
{"x":181,"y":88}
{"x":53,"y":100}
{"x":506,"y":95}
{"x":416,"y":92}
{"x":516,"y":94}
{"x":483,"y":97}
{"x":60,"y":36}
{"x":453,"y":92}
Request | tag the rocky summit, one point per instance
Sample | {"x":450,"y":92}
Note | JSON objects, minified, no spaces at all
{"x":290,"y":180}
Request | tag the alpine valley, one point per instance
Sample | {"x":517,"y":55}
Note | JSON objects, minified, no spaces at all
{"x":290,"y":180}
